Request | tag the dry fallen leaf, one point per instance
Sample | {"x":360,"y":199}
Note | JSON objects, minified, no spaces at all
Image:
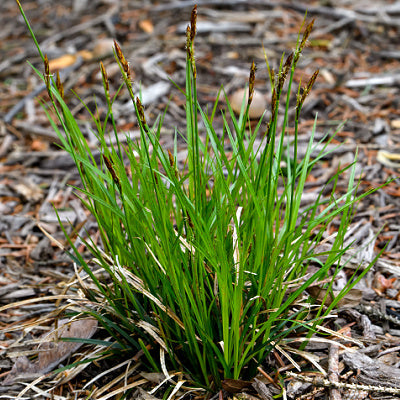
{"x":235,"y":385}
{"x":62,"y":62}
{"x":352,"y":298}
{"x":52,"y":351}
{"x":39,"y":145}
{"x":380,"y":283}
{"x":146,"y":25}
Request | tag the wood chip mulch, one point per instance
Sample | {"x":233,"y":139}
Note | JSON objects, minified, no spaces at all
{"x":356,"y":47}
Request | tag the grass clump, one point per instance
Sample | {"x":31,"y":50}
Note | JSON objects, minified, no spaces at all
{"x":206,"y":265}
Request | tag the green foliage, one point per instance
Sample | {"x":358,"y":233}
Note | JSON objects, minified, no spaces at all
{"x":207,"y":263}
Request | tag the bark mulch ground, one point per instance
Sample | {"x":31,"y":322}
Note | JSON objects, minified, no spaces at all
{"x":355,"y":45}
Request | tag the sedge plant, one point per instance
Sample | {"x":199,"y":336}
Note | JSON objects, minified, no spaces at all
{"x":205,"y":264}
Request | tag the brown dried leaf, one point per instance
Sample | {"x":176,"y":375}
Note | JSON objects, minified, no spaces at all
{"x":52,"y":350}
{"x":235,"y":385}
{"x":352,"y":298}
{"x":62,"y":62}
{"x":22,"y":369}
{"x":146,"y":25}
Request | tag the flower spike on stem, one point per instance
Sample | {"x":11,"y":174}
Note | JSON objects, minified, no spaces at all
{"x":59,"y":85}
{"x":171,"y":159}
{"x":110,"y":167}
{"x":124,"y":63}
{"x":193,"y":22}
{"x":172,"y":163}
{"x":141,"y":113}
{"x":303,"y":42}
{"x":47,"y":75}
{"x":252,"y":78}
{"x":188,"y":43}
{"x":301,"y":98}
{"x":285,"y":71}
{"x":105,"y":78}
{"x":306,"y":34}
{"x":190,"y":35}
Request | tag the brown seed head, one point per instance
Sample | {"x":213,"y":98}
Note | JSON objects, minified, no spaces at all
{"x":105,"y":77}
{"x":301,"y":98}
{"x":273,"y":104}
{"x":122,"y":60}
{"x":303,"y":42}
{"x":252,"y":78}
{"x":306,"y":34}
{"x":171,"y":159}
{"x":110,"y":167}
{"x":140,"y":111}
{"x":285,"y":70}
{"x":128,"y":72}
{"x":309,"y":86}
{"x":193,"y":21}
{"x":119,"y":53}
{"x":313,"y":79}
{"x":47,"y":76}
{"x":46,"y":65}
{"x":189,"y":50}
{"x":189,"y":220}
{"x":59,"y":85}
{"x":188,"y":42}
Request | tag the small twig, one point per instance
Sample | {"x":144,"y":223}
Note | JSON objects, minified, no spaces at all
{"x":387,"y":351}
{"x":317,"y":381}
{"x":333,"y":372}
{"x":262,"y":372}
{"x":307,"y":396}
